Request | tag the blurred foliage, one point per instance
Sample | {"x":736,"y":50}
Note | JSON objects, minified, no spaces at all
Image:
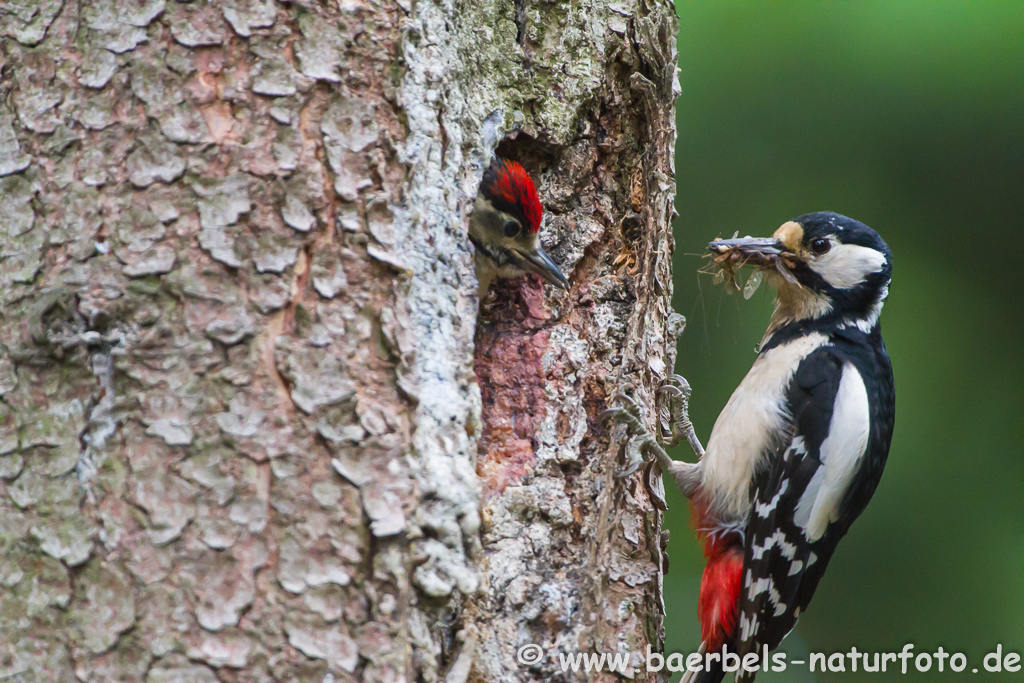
{"x":906,"y":116}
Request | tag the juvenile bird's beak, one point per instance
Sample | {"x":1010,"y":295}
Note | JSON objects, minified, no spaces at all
{"x":539,"y":262}
{"x":755,"y":251}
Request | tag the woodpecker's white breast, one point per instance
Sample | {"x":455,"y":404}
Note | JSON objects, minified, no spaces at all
{"x":753,"y":419}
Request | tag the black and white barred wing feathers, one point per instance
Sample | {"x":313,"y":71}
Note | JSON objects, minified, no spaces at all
{"x":798,"y":513}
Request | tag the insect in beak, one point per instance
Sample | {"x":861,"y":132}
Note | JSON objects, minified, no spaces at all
{"x":765,"y":253}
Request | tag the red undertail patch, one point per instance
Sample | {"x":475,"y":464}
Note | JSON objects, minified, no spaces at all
{"x":720,"y":586}
{"x":719,"y":597}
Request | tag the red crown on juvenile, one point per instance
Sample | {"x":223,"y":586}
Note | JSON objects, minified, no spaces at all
{"x":510,"y":188}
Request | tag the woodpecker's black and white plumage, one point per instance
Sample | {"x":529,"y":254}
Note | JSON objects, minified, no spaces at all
{"x":505,"y":228}
{"x":799,"y":448}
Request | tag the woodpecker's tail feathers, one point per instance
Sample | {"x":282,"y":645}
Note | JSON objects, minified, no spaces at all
{"x":715,"y":671}
{"x":694,"y":676}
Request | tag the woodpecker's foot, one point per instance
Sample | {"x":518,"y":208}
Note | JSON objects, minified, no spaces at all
{"x":674,"y":417}
{"x":641,"y":442}
{"x":673,"y":426}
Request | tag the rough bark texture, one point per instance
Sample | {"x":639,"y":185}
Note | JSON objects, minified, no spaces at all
{"x":239,"y":411}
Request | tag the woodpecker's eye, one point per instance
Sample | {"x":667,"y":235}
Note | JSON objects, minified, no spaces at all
{"x":820,"y":246}
{"x":511,"y":228}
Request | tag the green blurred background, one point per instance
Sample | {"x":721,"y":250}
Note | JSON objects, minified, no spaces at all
{"x":908,"y":117}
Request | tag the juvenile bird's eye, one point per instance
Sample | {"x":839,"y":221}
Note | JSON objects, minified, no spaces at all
{"x":511,"y":228}
{"x":820,"y":246}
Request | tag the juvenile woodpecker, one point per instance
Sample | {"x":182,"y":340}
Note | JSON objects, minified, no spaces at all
{"x":505,"y":228}
{"x":799,"y":448}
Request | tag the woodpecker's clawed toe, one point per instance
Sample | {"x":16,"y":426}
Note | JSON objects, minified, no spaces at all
{"x":676,"y":384}
{"x":643,"y":445}
{"x":639,"y":438}
{"x":674,"y":419}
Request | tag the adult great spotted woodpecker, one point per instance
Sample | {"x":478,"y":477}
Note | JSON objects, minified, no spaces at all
{"x":799,"y":448}
{"x":505,"y":228}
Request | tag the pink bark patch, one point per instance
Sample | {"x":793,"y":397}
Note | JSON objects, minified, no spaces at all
{"x":510,"y":344}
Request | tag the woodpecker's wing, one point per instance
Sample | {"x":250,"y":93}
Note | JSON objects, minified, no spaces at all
{"x":797,"y":517}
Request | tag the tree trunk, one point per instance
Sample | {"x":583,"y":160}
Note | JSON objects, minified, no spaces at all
{"x":245,"y":435}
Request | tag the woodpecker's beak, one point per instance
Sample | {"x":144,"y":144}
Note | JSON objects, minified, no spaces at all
{"x":754,"y":251}
{"x":539,"y":262}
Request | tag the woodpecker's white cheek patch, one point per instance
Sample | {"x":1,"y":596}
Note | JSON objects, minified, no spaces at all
{"x":846,"y":265}
{"x":841,"y":454}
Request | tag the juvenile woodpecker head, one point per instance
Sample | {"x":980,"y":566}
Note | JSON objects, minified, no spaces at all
{"x":505,"y":228}
{"x":824,"y":266}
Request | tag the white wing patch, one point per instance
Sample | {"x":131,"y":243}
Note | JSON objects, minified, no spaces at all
{"x":841,"y":453}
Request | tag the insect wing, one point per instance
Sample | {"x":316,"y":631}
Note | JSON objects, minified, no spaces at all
{"x":753,"y":282}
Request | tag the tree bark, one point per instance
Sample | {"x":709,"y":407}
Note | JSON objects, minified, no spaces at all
{"x":252,"y":428}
